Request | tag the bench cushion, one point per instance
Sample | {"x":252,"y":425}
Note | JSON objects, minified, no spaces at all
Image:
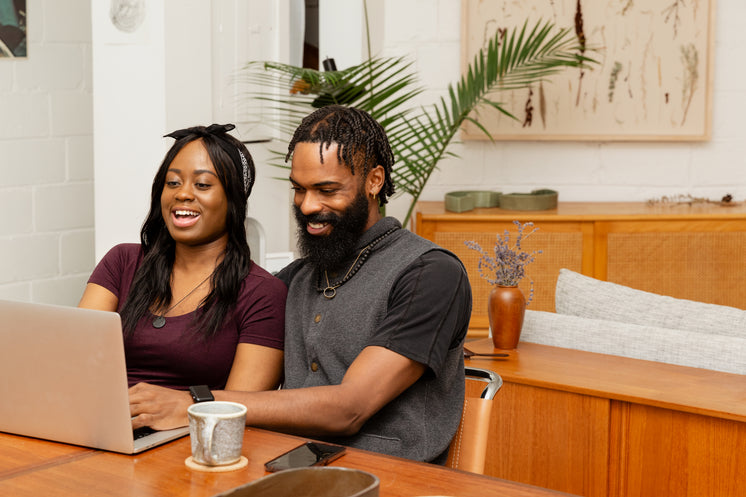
{"x":582,"y":296}
{"x":681,"y":347}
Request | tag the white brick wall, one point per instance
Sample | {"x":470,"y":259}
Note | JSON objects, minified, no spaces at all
{"x":46,"y":130}
{"x":46,"y":158}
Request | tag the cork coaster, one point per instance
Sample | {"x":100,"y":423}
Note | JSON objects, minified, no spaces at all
{"x":242,"y":463}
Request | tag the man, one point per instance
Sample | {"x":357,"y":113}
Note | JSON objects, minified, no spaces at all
{"x":376,"y":316}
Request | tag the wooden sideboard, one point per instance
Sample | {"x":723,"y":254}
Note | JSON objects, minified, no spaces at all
{"x":606,"y":426}
{"x":685,"y":251}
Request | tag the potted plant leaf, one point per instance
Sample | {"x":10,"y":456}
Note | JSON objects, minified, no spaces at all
{"x":385,"y":86}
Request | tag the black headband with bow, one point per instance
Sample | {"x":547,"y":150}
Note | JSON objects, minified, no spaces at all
{"x":219,"y":131}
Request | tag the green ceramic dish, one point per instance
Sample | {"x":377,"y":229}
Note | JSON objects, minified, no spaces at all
{"x":537,"y":200}
{"x":467,"y":200}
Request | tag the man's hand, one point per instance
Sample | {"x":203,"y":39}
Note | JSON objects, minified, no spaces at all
{"x":158,"y":407}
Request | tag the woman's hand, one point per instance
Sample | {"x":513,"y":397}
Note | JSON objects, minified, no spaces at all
{"x":158,"y":407}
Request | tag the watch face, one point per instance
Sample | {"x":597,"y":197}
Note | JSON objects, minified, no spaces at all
{"x":201,"y":393}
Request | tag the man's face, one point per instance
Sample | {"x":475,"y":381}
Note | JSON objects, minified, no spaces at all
{"x":330,"y":204}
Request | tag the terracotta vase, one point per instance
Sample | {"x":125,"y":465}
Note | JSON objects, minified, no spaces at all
{"x":506,"y":307}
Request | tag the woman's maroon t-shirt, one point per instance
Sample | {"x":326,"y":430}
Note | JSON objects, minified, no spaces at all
{"x":174,"y":356}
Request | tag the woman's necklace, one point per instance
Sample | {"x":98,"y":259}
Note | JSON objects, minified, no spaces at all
{"x":331,"y":290}
{"x":160,"y":321}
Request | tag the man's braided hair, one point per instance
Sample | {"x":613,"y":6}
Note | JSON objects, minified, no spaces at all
{"x":361,"y":141}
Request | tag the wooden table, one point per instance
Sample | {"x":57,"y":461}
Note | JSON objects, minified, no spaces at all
{"x":602,"y":425}
{"x":31,"y":467}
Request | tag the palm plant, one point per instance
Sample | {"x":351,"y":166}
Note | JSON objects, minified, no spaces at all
{"x":420,"y":136}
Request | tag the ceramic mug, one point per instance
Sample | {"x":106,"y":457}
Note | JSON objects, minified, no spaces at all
{"x":216,"y":432}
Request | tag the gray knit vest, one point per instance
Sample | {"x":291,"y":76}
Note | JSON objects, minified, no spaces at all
{"x":324,"y":336}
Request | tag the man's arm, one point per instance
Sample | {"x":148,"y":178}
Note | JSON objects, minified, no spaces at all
{"x":428,"y":313}
{"x":376,"y":377}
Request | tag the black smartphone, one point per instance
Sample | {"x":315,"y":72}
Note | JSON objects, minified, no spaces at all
{"x":308,"y":454}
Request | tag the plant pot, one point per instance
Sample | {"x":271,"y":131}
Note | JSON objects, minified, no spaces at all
{"x":505,"y":310}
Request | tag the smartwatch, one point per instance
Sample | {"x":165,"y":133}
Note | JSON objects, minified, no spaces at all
{"x":201,"y":393}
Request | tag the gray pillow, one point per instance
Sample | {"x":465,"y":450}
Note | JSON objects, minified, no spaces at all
{"x":579,"y":295}
{"x":684,"y":348}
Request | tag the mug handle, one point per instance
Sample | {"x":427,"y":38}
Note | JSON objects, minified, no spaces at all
{"x":208,"y":431}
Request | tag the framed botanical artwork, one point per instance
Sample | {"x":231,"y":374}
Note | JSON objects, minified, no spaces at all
{"x":12,"y":28}
{"x":653,"y":80}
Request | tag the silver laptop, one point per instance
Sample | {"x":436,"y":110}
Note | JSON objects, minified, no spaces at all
{"x":63,"y":378}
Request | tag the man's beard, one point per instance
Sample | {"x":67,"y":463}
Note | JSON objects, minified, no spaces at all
{"x":329,"y":252}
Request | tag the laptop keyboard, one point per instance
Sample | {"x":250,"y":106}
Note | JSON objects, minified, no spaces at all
{"x":143,"y":431}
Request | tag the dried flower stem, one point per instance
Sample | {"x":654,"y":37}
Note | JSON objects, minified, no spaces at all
{"x":507,"y":266}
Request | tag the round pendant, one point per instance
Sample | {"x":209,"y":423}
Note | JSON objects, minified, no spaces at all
{"x":159,"y":322}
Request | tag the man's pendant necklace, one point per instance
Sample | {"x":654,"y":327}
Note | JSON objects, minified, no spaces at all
{"x":331,"y":290}
{"x":160,"y":321}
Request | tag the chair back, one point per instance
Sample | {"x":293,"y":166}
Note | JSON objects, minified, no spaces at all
{"x":468,"y":449}
{"x":257,"y":240}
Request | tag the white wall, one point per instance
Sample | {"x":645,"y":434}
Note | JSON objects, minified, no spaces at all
{"x":147,"y":86}
{"x":580,"y":171}
{"x":129,"y":116}
{"x":176,"y":70}
{"x":342,"y":32}
{"x":46,"y":166}
{"x":179,"y":70}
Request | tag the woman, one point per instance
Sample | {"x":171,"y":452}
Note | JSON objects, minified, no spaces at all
{"x":195,"y":310}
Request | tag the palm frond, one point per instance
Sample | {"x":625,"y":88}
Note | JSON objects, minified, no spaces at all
{"x":419,"y":136}
{"x":378,"y":86}
{"x":521,"y":59}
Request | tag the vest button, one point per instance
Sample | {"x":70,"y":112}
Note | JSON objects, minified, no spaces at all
{"x":317,"y":318}
{"x":314,"y":366}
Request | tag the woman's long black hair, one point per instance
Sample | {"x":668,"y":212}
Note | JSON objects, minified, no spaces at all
{"x":151,"y":286}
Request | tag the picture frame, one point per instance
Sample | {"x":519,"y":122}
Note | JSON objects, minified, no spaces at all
{"x":13,"y":41}
{"x":653,"y":80}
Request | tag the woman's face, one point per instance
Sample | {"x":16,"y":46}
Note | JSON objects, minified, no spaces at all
{"x":193,"y":202}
